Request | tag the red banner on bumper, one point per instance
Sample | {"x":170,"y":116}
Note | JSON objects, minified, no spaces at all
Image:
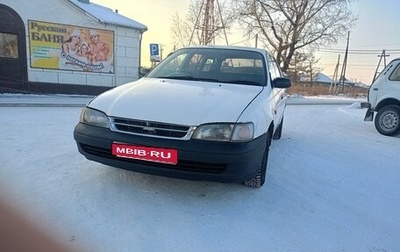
{"x":152,"y":154}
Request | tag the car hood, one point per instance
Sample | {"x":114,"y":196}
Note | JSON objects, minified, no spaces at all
{"x":177,"y":101}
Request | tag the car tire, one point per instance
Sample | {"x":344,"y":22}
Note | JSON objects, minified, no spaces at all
{"x":387,"y":120}
{"x":278,"y":131}
{"x":259,"y":179}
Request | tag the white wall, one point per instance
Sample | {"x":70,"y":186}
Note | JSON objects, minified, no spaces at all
{"x":126,"y":43}
{"x":127,"y":55}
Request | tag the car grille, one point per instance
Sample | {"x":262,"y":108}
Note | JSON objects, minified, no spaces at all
{"x":183,"y":165}
{"x":149,"y":128}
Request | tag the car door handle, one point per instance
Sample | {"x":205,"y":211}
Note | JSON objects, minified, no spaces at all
{"x":375,"y":89}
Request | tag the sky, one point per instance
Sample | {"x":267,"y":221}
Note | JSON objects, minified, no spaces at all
{"x":374,"y":32}
{"x":332,"y":185}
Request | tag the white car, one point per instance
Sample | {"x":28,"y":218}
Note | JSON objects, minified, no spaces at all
{"x":384,"y":98}
{"x":204,"y":113}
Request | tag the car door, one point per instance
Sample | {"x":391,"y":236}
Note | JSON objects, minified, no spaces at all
{"x":391,"y":87}
{"x":279,"y":94}
{"x":386,"y":85}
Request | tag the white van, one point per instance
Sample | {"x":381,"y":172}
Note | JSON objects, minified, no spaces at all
{"x":384,"y":98}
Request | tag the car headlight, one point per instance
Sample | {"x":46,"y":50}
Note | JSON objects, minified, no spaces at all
{"x":235,"y":132}
{"x":94,"y":117}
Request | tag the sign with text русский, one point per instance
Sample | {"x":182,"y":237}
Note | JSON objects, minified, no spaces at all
{"x":66,"y":47}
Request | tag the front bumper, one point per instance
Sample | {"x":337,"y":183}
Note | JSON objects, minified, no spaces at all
{"x":365,"y":105}
{"x":197,"y":160}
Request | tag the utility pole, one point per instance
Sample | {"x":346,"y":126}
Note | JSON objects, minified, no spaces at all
{"x":382,"y":55}
{"x":343,"y":74}
{"x":161,"y":52}
{"x":334,"y":77}
{"x":205,"y":22}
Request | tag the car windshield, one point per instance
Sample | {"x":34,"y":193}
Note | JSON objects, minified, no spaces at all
{"x":213,"y":64}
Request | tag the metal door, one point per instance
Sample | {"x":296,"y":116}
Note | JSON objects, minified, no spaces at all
{"x":12,"y":49}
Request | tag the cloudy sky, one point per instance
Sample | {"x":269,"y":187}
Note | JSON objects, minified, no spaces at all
{"x":373,"y":33}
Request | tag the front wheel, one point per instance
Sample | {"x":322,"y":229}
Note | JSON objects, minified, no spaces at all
{"x":259,"y":179}
{"x":387,"y":120}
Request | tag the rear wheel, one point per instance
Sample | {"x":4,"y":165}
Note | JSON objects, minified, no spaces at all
{"x":387,"y":120}
{"x":259,"y":179}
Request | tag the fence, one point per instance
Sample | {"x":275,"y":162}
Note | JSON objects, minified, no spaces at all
{"x":313,"y":88}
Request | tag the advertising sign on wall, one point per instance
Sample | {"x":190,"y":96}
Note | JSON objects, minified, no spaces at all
{"x":65,"y":47}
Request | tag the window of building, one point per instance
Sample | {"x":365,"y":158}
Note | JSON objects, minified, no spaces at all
{"x":8,"y":45}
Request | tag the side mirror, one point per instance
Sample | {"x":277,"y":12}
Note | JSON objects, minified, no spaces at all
{"x":144,"y":71}
{"x":281,"y":82}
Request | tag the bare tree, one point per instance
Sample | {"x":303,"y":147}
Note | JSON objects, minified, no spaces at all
{"x":303,"y":65}
{"x":180,"y":30}
{"x":285,"y":26}
{"x":206,"y":21}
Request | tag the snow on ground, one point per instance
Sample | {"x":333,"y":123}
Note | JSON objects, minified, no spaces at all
{"x":333,"y":184}
{"x":22,"y":100}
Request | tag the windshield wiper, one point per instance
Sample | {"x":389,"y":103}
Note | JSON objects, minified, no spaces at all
{"x":187,"y":77}
{"x":247,"y":82}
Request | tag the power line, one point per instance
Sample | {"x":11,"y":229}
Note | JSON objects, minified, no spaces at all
{"x":352,"y":65}
{"x":360,"y":52}
{"x":357,"y":50}
{"x":382,"y":55}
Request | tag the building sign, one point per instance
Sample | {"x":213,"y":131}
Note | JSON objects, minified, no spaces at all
{"x":65,"y":47}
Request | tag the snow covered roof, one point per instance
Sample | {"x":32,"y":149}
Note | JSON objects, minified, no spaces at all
{"x":320,"y":77}
{"x":323,"y":78}
{"x":107,"y":16}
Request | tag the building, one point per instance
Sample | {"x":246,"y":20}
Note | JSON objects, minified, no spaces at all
{"x":66,"y":46}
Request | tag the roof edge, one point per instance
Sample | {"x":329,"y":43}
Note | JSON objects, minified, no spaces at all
{"x":140,"y":27}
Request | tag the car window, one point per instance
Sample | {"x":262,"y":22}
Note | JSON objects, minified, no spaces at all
{"x":208,"y":64}
{"x":240,"y":64}
{"x":395,"y":75}
{"x":175,"y":63}
{"x":274,"y":69}
{"x":194,"y":62}
{"x":214,"y":64}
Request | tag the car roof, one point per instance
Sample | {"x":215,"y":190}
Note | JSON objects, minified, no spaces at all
{"x":244,"y":48}
{"x":395,"y":59}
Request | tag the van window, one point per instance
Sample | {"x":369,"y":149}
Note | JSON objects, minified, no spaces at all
{"x":395,"y":76}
